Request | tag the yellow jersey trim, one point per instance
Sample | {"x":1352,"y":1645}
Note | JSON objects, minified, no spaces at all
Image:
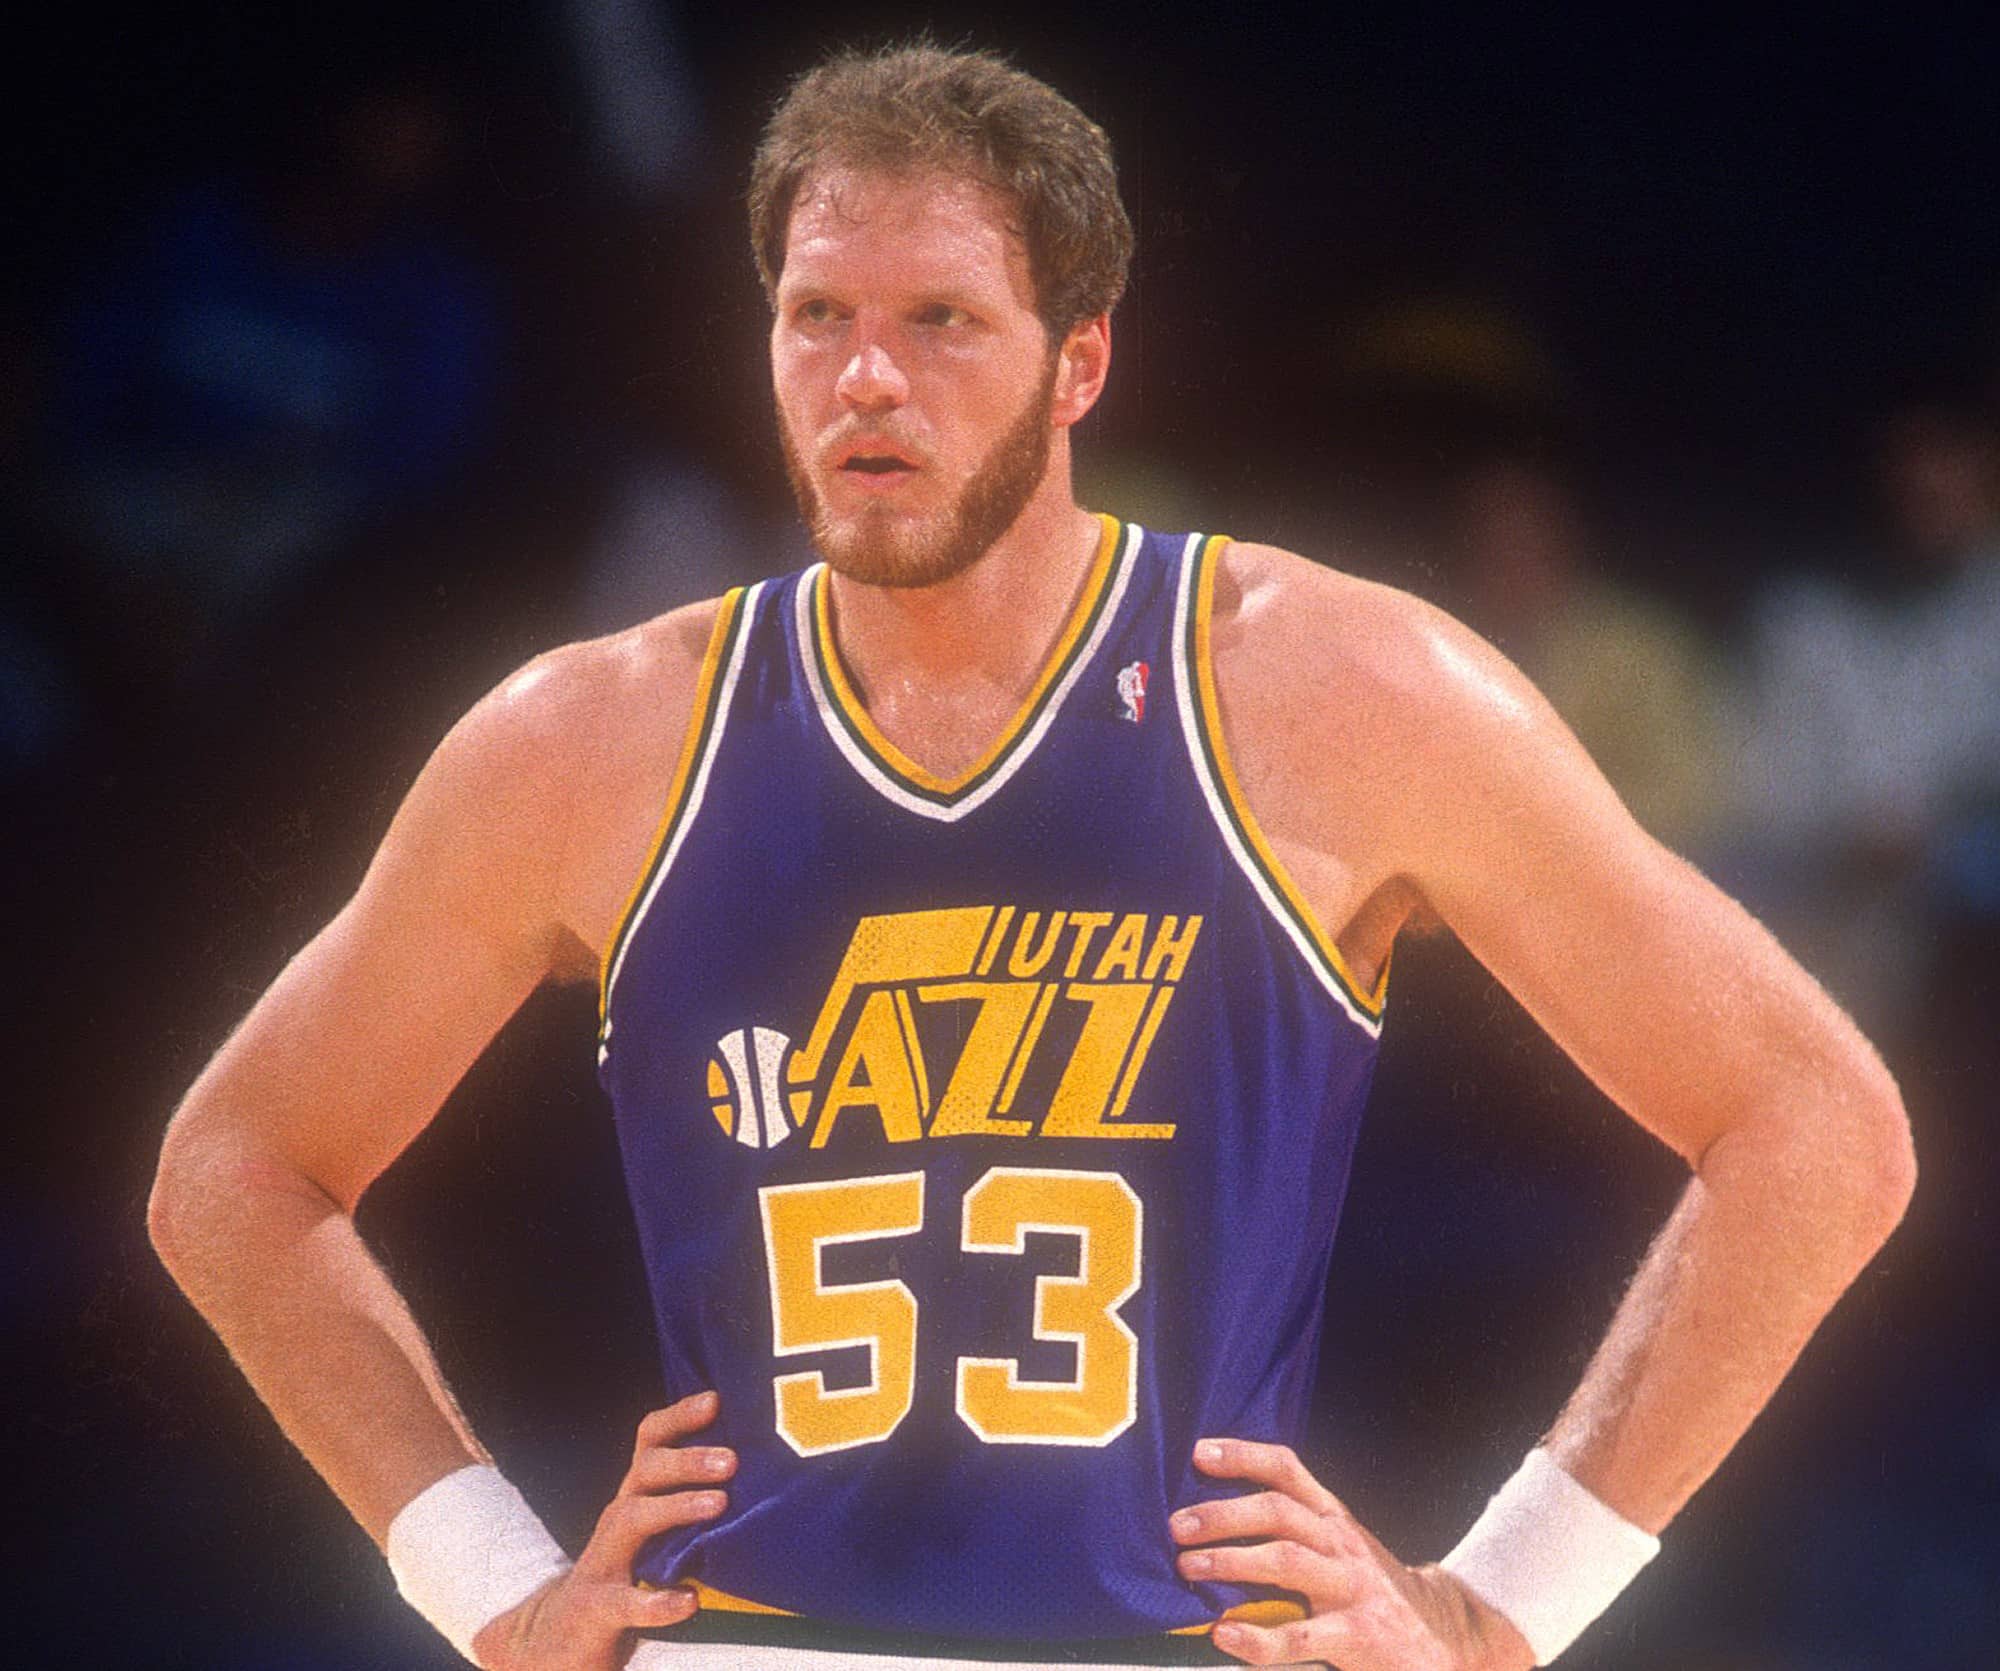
{"x":1210,"y":709}
{"x":893,"y":759}
{"x":1267,"y":1613}
{"x":720,"y":1601}
{"x":700,"y":724}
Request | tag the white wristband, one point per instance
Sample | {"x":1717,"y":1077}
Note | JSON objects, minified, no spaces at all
{"x":467,"y":1549}
{"x":1549,"y":1555}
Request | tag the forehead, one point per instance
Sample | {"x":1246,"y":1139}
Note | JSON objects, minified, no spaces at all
{"x":920,"y":229}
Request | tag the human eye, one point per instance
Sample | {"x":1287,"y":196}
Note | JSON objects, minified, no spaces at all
{"x":943,"y":316}
{"x":815,"y":310}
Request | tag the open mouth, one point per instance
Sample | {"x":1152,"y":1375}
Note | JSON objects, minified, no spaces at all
{"x":877,"y":458}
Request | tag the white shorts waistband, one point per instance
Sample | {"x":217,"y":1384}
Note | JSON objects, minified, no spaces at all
{"x":724,"y":1656}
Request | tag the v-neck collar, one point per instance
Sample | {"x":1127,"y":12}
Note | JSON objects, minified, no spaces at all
{"x":892,"y":772}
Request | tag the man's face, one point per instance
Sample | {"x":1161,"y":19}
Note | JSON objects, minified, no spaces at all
{"x":914,"y":378}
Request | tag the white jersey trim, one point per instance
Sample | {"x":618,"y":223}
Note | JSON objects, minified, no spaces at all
{"x":1024,"y":745}
{"x":724,"y":1656}
{"x":697,"y":789}
{"x":1212,"y":793}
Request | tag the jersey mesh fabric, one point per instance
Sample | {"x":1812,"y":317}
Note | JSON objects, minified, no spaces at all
{"x":1229,"y":1118}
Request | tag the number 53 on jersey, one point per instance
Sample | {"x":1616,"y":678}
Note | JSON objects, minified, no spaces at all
{"x":809,"y":1314}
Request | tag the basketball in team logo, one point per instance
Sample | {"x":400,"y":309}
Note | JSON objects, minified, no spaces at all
{"x":746,"y":1086}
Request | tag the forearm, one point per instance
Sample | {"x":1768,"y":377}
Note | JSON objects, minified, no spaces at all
{"x":281,"y":1274}
{"x":1779,"y":1219}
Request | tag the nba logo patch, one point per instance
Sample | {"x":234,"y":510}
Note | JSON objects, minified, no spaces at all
{"x":1132,"y":679}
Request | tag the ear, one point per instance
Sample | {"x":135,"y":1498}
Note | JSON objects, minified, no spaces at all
{"x":1082,"y":364}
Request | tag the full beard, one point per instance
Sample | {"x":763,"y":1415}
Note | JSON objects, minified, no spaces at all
{"x":882,"y":546}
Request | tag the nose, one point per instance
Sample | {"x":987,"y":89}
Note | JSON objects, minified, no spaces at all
{"x":872,"y":382}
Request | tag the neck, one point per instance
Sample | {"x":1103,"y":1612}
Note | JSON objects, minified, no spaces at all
{"x":991,"y":626}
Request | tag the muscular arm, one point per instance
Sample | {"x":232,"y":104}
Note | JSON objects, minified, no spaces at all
{"x":1449,"y":783}
{"x":502,"y":868}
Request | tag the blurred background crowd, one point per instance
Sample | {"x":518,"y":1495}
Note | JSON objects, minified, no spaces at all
{"x":351,"y":358}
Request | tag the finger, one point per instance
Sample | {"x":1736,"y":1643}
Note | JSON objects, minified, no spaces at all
{"x":676,"y":1421}
{"x":607,"y":1608}
{"x":629,"y":1523}
{"x":1304,"y":1639}
{"x":1324,"y":1580}
{"x":667,"y":1468}
{"x":1276,"y":1466}
{"x":647,"y":1609}
{"x":1268,"y":1514}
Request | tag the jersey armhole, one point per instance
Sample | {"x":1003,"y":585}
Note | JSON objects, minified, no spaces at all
{"x":1201,"y":723}
{"x":721,"y":663}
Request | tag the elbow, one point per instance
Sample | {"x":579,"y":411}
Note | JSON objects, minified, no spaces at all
{"x":207,"y":1196}
{"x":1838,"y":1167}
{"x":161,"y":1229}
{"x":1888,"y":1169}
{"x":172,"y":1211}
{"x":225,"y":1201}
{"x":1873,"y":1171}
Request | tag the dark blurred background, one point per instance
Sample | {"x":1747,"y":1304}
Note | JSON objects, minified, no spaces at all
{"x":351,"y":354}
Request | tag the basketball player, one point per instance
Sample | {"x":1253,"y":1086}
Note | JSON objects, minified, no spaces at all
{"x":993,"y":926}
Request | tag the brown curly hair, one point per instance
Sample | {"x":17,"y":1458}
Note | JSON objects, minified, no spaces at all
{"x":972,"y":113}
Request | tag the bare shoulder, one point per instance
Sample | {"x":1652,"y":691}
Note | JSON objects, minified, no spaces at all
{"x":574,"y":709}
{"x":1403,"y":754}
{"x":1377,"y":700}
{"x":545,"y":792}
{"x":1379,"y":657}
